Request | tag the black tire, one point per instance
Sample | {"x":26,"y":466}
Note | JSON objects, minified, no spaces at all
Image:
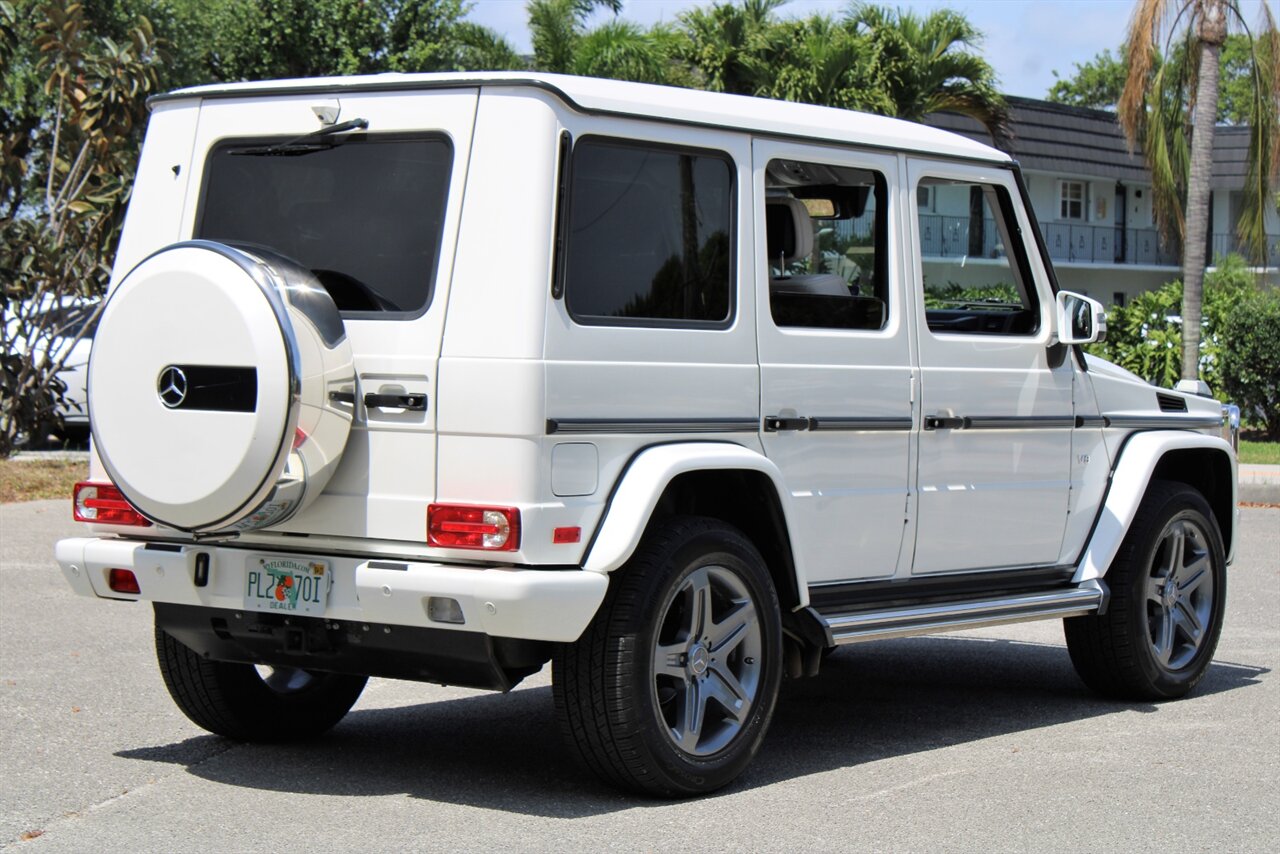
{"x":625,"y":715}
{"x":235,"y":701}
{"x":1168,"y":588}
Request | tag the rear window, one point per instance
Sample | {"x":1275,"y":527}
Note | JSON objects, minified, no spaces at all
{"x":365,"y":213}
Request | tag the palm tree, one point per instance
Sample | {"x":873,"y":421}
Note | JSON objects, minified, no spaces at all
{"x":821,"y":61}
{"x":727,"y":43}
{"x":617,"y":49}
{"x":929,"y":66}
{"x":1164,"y":102}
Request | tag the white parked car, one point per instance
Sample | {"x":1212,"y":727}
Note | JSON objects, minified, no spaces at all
{"x":63,"y":328}
{"x":446,"y":377}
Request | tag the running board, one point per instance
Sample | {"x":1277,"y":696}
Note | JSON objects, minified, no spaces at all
{"x":898,"y":622}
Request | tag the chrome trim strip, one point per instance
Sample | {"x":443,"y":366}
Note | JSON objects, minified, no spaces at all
{"x":951,"y":616}
{"x":1156,"y":422}
{"x":576,"y":426}
{"x":1019,"y":422}
{"x":824,"y":424}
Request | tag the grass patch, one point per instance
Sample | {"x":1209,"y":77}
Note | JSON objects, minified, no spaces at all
{"x":1259,"y":453}
{"x":32,"y":480}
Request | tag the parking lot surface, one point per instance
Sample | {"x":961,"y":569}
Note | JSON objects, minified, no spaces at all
{"x":982,"y":740}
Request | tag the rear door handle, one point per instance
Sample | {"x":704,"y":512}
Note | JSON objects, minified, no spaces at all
{"x":774,"y":423}
{"x":945,"y":422}
{"x":417,"y":402}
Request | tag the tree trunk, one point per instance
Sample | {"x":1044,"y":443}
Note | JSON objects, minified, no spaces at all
{"x":1212,"y":34}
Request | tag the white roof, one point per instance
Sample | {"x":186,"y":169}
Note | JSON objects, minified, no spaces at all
{"x":663,"y":103}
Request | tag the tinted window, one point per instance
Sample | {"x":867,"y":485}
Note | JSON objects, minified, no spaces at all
{"x":365,"y":215}
{"x":648,"y":235}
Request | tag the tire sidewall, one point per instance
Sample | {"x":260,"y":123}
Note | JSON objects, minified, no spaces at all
{"x":714,"y":546}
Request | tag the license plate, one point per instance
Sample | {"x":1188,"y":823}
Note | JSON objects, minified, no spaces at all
{"x":288,"y":585}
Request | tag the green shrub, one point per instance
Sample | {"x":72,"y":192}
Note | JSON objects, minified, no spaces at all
{"x":1145,"y":336}
{"x":953,"y":294}
{"x":1250,"y":368}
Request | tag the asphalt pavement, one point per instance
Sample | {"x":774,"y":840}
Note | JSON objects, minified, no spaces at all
{"x":979,"y":741}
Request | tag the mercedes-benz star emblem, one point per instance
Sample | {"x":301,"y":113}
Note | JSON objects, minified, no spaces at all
{"x":172,"y":386}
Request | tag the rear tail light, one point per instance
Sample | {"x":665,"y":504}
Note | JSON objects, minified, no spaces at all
{"x":123,"y":581}
{"x":103,"y":503}
{"x":464,"y":526}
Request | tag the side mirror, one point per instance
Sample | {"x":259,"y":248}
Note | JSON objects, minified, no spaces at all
{"x":1080,"y":320}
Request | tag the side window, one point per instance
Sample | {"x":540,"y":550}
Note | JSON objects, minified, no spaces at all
{"x":976,"y":277}
{"x":647,"y":239}
{"x":826,"y":233}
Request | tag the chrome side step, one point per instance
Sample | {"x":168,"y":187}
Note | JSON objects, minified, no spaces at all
{"x":898,"y":622}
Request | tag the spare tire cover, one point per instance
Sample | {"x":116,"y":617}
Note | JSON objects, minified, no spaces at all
{"x":221,"y":387}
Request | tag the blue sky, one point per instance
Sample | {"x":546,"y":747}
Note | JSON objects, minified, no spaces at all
{"x":1026,"y":40}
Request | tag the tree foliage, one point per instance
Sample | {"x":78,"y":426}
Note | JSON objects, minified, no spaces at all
{"x":1250,"y":367}
{"x":931,"y":65}
{"x":263,"y":39}
{"x":69,"y":156}
{"x":1098,"y":83}
{"x":1145,"y":335}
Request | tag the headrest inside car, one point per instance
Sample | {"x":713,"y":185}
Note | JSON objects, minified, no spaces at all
{"x":789,"y":230}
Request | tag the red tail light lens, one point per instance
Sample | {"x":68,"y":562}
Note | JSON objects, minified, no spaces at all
{"x":464,"y":526}
{"x":103,"y":503}
{"x":123,"y":581}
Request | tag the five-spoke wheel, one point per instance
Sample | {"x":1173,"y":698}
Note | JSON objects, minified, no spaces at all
{"x":1180,"y":594}
{"x":707,"y":660}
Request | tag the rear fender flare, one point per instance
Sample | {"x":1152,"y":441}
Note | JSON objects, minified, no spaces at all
{"x":644,"y":481}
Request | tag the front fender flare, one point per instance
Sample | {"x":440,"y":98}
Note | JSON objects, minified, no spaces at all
{"x":1138,"y":460}
{"x":647,"y":477}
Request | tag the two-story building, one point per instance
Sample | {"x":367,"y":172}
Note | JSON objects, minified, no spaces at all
{"x":1093,"y":200}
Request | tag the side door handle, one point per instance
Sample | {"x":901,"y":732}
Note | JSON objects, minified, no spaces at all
{"x":774,"y":423}
{"x":417,"y":402}
{"x":945,"y":422}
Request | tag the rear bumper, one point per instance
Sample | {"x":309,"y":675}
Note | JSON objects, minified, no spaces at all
{"x":545,"y":605}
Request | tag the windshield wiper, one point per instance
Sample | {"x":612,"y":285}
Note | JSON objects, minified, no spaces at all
{"x":305,"y":144}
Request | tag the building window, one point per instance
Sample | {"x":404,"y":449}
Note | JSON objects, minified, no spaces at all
{"x":924,"y":198}
{"x":1071,"y":200}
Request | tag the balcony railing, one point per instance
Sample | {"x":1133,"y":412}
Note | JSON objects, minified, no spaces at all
{"x":1107,"y":244}
{"x":1224,"y":244}
{"x":948,"y":237}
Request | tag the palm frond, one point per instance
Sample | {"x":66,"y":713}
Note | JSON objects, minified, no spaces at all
{"x":1143,"y":37}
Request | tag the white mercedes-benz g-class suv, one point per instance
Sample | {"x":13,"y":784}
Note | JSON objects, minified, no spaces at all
{"x":443,"y":377}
